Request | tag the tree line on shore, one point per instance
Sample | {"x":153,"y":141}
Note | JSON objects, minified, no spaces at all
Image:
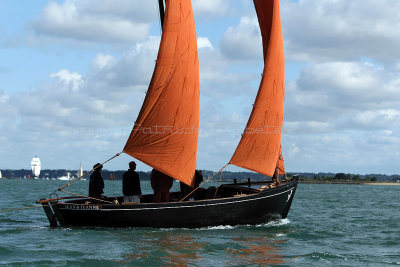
{"x":226,"y":175}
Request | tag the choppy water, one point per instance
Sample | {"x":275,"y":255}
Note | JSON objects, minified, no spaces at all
{"x":328,"y":225}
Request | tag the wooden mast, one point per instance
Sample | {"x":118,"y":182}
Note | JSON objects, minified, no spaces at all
{"x":162,"y":11}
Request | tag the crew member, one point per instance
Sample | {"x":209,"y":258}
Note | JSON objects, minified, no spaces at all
{"x":131,"y":185}
{"x":96,"y":183}
{"x":185,"y":189}
{"x":161,"y":184}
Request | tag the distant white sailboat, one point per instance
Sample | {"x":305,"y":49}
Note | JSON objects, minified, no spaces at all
{"x":35,"y":165}
{"x":80,"y":172}
{"x":1,"y":176}
{"x":65,"y":178}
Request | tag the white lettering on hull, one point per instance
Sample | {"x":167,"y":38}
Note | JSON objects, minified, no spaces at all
{"x":81,"y":207}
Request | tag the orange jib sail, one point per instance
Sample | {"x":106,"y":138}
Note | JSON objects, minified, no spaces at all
{"x":259,"y":146}
{"x":165,"y":133}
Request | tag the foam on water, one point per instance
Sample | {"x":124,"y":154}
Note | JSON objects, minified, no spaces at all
{"x":220,"y":227}
{"x":274,"y":223}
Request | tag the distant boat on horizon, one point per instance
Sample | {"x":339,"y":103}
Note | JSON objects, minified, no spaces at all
{"x":36,"y":166}
{"x":80,"y":172}
{"x":65,"y":178}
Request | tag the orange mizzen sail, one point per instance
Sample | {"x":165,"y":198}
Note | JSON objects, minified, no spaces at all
{"x":258,"y":149}
{"x":165,"y":133}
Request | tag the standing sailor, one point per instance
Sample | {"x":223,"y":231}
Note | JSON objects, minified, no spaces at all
{"x":96,"y":183}
{"x":161,"y":184}
{"x":131,"y":185}
{"x":185,"y":189}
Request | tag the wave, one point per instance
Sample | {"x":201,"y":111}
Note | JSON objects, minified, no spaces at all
{"x":279,"y":222}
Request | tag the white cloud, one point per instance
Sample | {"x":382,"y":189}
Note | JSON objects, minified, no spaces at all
{"x":243,"y":41}
{"x":307,"y":127}
{"x":71,"y":80}
{"x":341,"y":30}
{"x":333,"y":90}
{"x":343,"y":117}
{"x":102,"y":60}
{"x":93,"y":112}
{"x":130,"y":72}
{"x":98,"y":21}
{"x":210,"y":8}
{"x":372,"y":119}
{"x":341,"y":114}
{"x":3,"y":97}
{"x":204,"y":42}
{"x":137,"y":11}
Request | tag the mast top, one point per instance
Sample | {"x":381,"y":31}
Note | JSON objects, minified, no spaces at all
{"x":162,"y":11}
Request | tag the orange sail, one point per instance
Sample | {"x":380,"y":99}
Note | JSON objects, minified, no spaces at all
{"x":259,"y":146}
{"x":165,"y":133}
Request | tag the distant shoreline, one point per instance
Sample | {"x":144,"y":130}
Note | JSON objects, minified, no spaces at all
{"x":347,"y":182}
{"x":383,"y":183}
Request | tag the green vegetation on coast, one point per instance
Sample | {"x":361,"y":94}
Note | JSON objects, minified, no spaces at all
{"x":227,"y":176}
{"x":347,"y":178}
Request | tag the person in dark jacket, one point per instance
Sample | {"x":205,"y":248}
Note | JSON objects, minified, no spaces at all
{"x":161,"y":184}
{"x":198,"y":178}
{"x":96,"y":183}
{"x":185,"y":189}
{"x":131,"y":185}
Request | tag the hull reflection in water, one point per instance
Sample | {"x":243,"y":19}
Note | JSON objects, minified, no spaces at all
{"x":234,"y":246}
{"x":261,"y":251}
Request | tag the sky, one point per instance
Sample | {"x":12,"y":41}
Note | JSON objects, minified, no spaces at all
{"x":73,"y":76}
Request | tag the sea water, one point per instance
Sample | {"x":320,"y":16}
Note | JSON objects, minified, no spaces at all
{"x":328,"y":225}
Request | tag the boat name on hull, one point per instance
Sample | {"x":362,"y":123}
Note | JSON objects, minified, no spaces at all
{"x":81,"y":207}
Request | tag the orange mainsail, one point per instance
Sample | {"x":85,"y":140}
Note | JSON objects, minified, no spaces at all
{"x":259,"y":146}
{"x":165,"y":133}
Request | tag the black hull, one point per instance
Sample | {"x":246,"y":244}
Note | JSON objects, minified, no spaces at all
{"x":250,"y":208}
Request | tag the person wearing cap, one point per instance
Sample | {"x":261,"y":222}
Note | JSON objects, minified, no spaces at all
{"x":131,"y":185}
{"x":96,"y":183}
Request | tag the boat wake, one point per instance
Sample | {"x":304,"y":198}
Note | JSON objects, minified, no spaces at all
{"x":220,"y":227}
{"x":275,"y":223}
{"x":280,"y":222}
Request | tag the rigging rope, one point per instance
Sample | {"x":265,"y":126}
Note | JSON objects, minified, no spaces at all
{"x":68,"y":184}
{"x":99,"y":199}
{"x":30,"y":207}
{"x":206,"y":181}
{"x":76,"y":179}
{"x":45,"y":205}
{"x":102,"y":200}
{"x":216,"y":191}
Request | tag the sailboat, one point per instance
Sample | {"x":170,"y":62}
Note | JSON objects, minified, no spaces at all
{"x":65,"y":178}
{"x":35,"y":165}
{"x":165,"y":136}
{"x":79,"y":173}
